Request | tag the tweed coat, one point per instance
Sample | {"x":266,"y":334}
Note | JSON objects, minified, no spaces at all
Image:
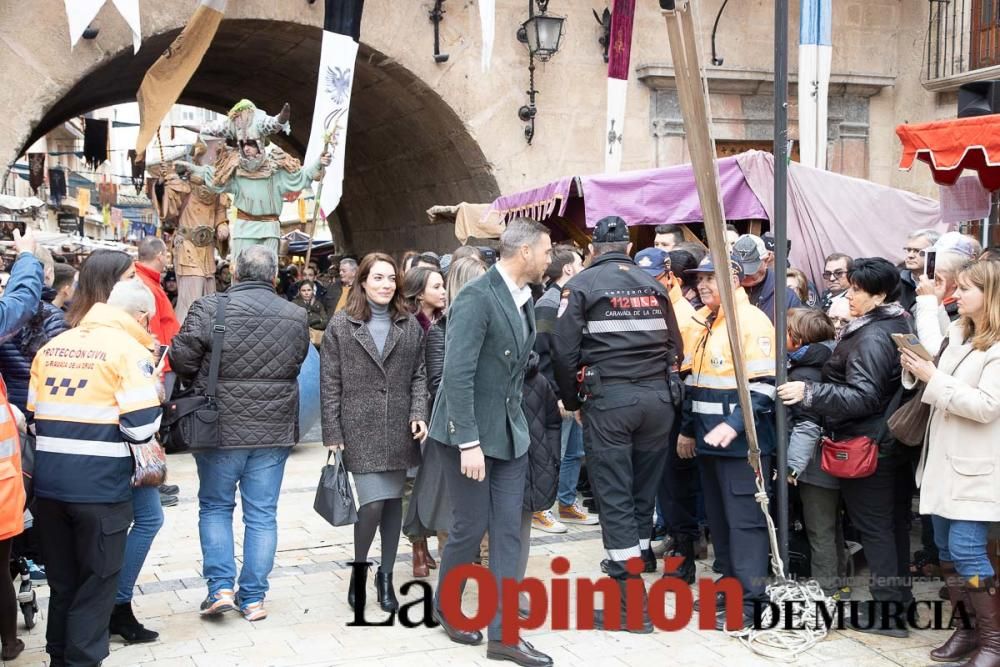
{"x":368,"y":400}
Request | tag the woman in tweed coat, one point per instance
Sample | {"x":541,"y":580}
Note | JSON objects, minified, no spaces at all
{"x":374,"y":403}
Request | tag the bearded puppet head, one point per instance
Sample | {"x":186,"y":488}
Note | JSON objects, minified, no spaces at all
{"x":247,"y":129}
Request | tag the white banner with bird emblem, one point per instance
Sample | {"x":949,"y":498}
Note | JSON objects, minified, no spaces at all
{"x":329,"y":124}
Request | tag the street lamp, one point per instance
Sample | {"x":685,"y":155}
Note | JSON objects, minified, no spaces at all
{"x":542,"y":34}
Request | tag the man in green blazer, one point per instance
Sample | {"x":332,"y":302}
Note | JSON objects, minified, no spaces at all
{"x":478,"y":419}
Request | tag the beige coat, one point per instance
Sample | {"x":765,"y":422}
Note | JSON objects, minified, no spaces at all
{"x":959,"y":470}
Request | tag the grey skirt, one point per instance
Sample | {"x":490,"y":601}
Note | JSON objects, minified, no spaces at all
{"x":375,"y":486}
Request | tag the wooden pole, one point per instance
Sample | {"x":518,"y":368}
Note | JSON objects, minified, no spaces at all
{"x":694,"y":107}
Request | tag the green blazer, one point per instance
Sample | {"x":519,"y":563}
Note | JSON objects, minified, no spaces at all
{"x":485,"y":357}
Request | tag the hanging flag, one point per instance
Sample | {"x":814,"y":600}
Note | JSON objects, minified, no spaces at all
{"x":82,"y":201}
{"x":95,"y":141}
{"x":36,"y":170}
{"x":303,"y":216}
{"x":57,"y":184}
{"x":619,"y":54}
{"x":164,"y":81}
{"x":341,"y":30}
{"x":488,"y":24}
{"x":815,"y":57}
{"x":81,"y":13}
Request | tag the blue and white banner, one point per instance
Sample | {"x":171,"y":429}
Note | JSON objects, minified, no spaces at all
{"x":815,"y":57}
{"x":341,"y":29}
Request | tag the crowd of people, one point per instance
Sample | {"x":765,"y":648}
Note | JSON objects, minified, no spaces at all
{"x":477,"y":395}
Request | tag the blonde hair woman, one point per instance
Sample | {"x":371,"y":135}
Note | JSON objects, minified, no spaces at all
{"x":959,"y":470}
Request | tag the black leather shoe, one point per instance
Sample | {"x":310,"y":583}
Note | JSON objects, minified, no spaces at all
{"x":123,"y":622}
{"x":456,"y":635}
{"x":385,"y":591}
{"x":522,"y":653}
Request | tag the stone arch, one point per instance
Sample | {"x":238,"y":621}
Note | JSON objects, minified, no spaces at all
{"x":407,"y":147}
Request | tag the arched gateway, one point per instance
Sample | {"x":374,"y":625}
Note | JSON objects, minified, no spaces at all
{"x":407,"y":147}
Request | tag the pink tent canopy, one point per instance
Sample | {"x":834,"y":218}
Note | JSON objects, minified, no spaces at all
{"x":827,"y":212}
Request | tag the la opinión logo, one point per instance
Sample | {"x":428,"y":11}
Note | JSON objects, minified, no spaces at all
{"x":551,"y":601}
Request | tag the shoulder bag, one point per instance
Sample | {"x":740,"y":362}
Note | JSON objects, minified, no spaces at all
{"x":856,"y":457}
{"x":909,"y":423}
{"x":193,"y":421}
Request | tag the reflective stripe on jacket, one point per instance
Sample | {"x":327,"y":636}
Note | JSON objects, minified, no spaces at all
{"x":92,"y":392}
{"x":711,"y":398}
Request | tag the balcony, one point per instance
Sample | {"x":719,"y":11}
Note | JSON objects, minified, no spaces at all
{"x":962,"y":44}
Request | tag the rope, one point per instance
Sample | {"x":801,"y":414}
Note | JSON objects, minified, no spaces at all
{"x":780,"y":643}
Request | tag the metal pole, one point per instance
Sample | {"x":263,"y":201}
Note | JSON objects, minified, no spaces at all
{"x":779,"y":227}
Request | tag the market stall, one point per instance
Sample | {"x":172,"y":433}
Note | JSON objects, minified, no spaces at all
{"x":827,"y":212}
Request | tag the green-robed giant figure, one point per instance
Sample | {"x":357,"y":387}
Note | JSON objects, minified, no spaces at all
{"x":256,"y":175}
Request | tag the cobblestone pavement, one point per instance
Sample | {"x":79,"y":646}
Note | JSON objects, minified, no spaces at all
{"x":308,"y":607}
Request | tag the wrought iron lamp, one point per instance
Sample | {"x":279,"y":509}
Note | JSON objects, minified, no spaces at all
{"x":436,"y":15}
{"x":541,"y":33}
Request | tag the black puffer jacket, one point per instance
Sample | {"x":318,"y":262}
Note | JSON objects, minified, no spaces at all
{"x":541,"y":409}
{"x":265,"y":343}
{"x":861,"y":378}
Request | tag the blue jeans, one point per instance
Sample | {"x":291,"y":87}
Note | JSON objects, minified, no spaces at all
{"x":572,"y":457}
{"x":963,"y":543}
{"x":146,"y":523}
{"x":258,"y":474}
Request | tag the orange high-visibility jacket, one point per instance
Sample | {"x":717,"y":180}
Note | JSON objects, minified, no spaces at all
{"x":11,"y":484}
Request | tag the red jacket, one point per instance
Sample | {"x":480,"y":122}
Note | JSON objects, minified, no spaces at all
{"x":164,"y":324}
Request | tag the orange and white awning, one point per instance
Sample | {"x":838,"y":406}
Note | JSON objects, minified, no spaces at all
{"x":950,"y":147}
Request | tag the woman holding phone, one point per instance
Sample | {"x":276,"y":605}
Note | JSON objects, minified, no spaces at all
{"x":959,"y":469}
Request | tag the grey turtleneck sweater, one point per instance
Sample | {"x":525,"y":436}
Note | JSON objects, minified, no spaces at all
{"x":379,"y":324}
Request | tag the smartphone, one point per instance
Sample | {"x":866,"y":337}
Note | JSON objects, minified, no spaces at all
{"x":912,"y":343}
{"x":161,"y":357}
{"x":930,"y":263}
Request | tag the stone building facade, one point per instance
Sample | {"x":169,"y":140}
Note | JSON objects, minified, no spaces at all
{"x":425,"y":133}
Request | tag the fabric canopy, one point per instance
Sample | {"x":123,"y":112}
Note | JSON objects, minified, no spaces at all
{"x":649,"y":197}
{"x":827,"y":212}
{"x":952,"y":146}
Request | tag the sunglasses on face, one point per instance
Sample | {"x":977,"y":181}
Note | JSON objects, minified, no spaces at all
{"x":838,"y":274}
{"x":915,"y":251}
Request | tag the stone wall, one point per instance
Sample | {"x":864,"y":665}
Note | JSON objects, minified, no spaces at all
{"x":424,"y":133}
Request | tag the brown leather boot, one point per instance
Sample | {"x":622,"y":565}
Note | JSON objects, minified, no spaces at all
{"x":962,"y":641}
{"x":986,"y":601}
{"x":420,"y":569}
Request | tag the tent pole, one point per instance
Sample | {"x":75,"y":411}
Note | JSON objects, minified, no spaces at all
{"x":779,"y":227}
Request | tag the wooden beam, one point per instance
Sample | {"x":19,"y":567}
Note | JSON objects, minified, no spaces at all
{"x":697,"y":127}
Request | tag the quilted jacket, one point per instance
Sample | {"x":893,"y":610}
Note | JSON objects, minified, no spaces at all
{"x":265,"y":343}
{"x":541,"y":408}
{"x":369,"y":399}
{"x":16,"y":353}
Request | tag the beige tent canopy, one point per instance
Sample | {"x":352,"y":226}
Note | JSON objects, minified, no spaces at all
{"x":468,"y":220}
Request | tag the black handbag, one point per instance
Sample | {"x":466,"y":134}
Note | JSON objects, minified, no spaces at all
{"x":192,"y":421}
{"x":334,"y":498}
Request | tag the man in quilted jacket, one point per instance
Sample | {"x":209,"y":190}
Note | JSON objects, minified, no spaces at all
{"x":265,"y":341}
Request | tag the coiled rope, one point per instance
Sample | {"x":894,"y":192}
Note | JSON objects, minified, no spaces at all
{"x":807,"y":629}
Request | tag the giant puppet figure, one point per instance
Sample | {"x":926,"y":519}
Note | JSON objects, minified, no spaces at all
{"x":256,"y":178}
{"x":199,"y":214}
